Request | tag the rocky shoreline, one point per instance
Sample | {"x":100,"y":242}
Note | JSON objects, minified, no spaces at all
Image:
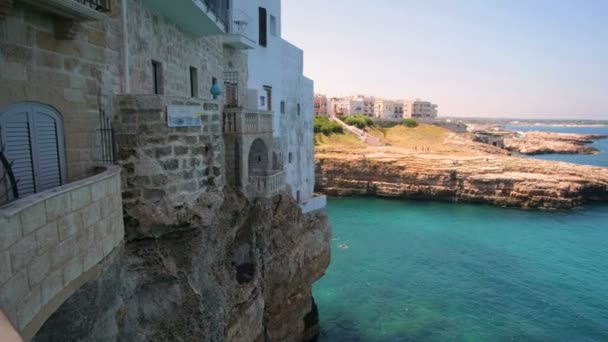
{"x":499,"y":180}
{"x":532,"y":143}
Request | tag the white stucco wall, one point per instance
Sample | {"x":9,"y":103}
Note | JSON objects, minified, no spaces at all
{"x":280,"y":66}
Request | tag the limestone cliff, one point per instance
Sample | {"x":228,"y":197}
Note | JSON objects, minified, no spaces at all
{"x":493,"y":179}
{"x":242,"y":273}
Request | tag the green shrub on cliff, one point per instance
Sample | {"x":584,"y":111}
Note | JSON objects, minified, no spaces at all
{"x":359,"y":120}
{"x":411,"y":123}
{"x":326,"y":126}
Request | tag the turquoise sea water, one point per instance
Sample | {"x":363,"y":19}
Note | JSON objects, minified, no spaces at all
{"x":429,"y":271}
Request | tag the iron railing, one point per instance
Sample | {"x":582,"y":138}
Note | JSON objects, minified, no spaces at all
{"x":221,"y":10}
{"x":8,"y":183}
{"x":231,"y":89}
{"x":98,"y":5}
{"x":106,"y":138}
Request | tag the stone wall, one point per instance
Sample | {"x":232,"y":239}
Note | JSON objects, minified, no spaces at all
{"x":49,"y":241}
{"x":76,"y":76}
{"x":154,"y":37}
{"x":170,"y":174}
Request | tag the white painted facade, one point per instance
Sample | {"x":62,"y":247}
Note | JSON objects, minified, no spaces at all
{"x":278,"y":67}
{"x":385,"y":109}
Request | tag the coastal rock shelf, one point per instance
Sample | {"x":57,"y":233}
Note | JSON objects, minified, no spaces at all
{"x":493,"y":179}
{"x":532,"y":143}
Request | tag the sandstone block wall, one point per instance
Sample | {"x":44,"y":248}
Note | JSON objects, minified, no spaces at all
{"x":154,"y":37}
{"x":167,"y":170}
{"x":48,"y":241}
{"x":75,"y":76}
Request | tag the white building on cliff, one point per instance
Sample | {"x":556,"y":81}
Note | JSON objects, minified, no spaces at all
{"x":276,"y":85}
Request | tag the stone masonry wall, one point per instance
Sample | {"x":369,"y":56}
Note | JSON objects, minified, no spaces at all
{"x":153,"y":37}
{"x":49,"y":241}
{"x":75,"y":76}
{"x":171,"y":175}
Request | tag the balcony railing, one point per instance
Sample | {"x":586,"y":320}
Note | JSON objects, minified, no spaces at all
{"x":78,"y":10}
{"x":243,"y":121}
{"x":199,"y":17}
{"x":267,"y":186}
{"x":98,"y":5}
{"x":220,"y":9}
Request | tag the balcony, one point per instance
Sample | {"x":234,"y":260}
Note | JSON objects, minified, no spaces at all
{"x":266,"y":186}
{"x":77,"y":10}
{"x":245,"y":121}
{"x":240,"y":32}
{"x":199,"y":17}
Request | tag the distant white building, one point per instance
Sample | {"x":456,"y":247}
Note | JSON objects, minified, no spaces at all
{"x":417,"y":109}
{"x":359,"y":104}
{"x":385,"y":109}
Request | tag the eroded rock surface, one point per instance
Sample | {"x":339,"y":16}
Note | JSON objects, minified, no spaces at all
{"x":550,"y":142}
{"x":481,"y":178}
{"x":245,"y":275}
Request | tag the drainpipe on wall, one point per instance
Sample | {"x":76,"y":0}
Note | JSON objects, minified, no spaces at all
{"x":125,"y":47}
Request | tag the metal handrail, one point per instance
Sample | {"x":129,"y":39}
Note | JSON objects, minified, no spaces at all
{"x":98,"y":5}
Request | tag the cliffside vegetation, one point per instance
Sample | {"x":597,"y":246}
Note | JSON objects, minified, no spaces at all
{"x":326,"y":127}
{"x":358,"y":120}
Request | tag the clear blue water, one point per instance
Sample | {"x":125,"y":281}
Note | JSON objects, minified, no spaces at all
{"x":600,"y":159}
{"x":426,"y":271}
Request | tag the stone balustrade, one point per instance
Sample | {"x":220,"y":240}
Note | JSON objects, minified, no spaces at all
{"x":243,"y":121}
{"x":50,"y":243}
{"x":266,"y":186}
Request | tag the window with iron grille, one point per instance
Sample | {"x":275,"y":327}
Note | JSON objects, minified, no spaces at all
{"x":231,"y":82}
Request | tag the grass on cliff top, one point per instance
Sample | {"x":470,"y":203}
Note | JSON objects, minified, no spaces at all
{"x":422,"y":136}
{"x":338,"y":140}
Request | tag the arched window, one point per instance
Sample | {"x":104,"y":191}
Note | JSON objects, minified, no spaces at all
{"x":32,"y":136}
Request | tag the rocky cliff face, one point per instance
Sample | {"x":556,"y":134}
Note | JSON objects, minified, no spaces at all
{"x":242,"y":273}
{"x":497,"y":180}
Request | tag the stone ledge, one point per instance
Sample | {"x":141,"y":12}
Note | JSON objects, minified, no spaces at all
{"x":14,"y":208}
{"x":318,"y":202}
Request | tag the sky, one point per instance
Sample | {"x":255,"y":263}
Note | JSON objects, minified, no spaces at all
{"x":488,"y":58}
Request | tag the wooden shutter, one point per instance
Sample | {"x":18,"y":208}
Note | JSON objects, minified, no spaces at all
{"x":16,"y":139}
{"x":263,"y":27}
